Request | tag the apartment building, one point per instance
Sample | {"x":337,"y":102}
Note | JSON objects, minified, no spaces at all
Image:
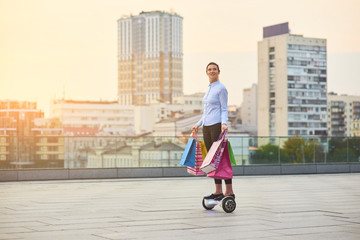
{"x":249,"y":109}
{"x":292,"y":84}
{"x":27,"y":139}
{"x":343,"y":115}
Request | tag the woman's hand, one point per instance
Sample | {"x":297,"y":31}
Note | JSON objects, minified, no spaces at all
{"x":195,"y":128}
{"x":223,"y":127}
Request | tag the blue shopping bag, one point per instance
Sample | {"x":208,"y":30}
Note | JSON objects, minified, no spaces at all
{"x":188,"y":157}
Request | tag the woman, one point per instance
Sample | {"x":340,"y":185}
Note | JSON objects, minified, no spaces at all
{"x":214,"y":121}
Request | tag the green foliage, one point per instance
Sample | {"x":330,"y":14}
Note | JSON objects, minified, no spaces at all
{"x":268,"y":154}
{"x":354,"y":148}
{"x":299,"y":150}
{"x":343,"y":155}
{"x":308,"y":150}
{"x":344,"y":150}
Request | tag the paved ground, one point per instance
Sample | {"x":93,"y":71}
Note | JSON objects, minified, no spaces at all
{"x":268,"y":207}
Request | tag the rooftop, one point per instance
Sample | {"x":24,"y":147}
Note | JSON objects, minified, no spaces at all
{"x":59,"y":101}
{"x":319,"y":206}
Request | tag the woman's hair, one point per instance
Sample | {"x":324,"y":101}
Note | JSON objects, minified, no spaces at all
{"x":212,"y":63}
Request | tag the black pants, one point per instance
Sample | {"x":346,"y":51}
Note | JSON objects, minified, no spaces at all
{"x":211,"y":134}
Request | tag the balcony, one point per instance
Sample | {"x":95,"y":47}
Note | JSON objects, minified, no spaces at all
{"x":336,"y":116}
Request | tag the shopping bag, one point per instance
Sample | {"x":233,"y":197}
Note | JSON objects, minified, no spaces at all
{"x":231,"y":154}
{"x":198,"y":160}
{"x":219,"y":153}
{"x":213,"y":156}
{"x":188,"y":156}
{"x":224,"y":170}
{"x":203,"y":149}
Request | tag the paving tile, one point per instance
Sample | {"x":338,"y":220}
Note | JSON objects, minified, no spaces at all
{"x":307,"y":230}
{"x":8,"y":237}
{"x":10,"y":230}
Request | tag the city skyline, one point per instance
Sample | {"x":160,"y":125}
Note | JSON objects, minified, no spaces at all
{"x":51,"y":46}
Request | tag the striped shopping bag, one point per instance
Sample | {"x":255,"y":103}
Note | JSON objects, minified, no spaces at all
{"x":199,"y":156}
{"x":212,"y":160}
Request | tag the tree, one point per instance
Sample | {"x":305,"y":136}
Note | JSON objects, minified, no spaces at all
{"x":268,"y":154}
{"x":300,"y":151}
{"x":344,"y":149}
{"x":354,"y":145}
{"x":336,"y":143}
{"x":343,"y":155}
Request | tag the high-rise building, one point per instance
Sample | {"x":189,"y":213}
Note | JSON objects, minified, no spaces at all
{"x":292,"y":83}
{"x":150,"y":53}
{"x":343,"y":115}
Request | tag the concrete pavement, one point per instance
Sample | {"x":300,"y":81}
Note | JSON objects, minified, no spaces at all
{"x":286,"y":207}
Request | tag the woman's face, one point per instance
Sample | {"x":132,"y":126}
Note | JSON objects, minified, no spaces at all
{"x":213,"y":73}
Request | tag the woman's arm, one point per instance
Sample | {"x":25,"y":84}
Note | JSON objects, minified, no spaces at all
{"x":195,"y":128}
{"x":223,"y":96}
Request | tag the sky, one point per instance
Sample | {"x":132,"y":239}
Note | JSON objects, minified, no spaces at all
{"x":68,"y":48}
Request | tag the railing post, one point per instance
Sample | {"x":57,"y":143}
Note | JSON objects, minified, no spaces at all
{"x":242,"y":151}
{"x":279,"y":151}
{"x":314,"y":151}
{"x":347,"y":149}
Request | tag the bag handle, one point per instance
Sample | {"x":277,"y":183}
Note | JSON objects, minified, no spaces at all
{"x":195,"y":135}
{"x":222,"y":135}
